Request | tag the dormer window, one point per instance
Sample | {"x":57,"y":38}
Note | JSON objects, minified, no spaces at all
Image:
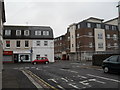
{"x":26,"y":32}
{"x":46,"y":33}
{"x":7,"y":32}
{"x":18,"y":32}
{"x":37,"y":32}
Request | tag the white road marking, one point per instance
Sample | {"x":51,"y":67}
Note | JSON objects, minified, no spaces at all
{"x":69,"y":71}
{"x":81,"y":76}
{"x":32,"y":67}
{"x":96,"y":81}
{"x":60,"y":87}
{"x":21,"y":68}
{"x":27,"y":67}
{"x":85,"y":82}
{"x":53,"y":80}
{"x":109,"y":79}
{"x":73,"y":86}
{"x":64,"y":79}
{"x":38,"y":69}
{"x":32,"y":80}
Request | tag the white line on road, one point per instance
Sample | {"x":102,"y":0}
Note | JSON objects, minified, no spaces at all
{"x":64,"y":79}
{"x":73,"y":86}
{"x":53,"y":80}
{"x":97,"y":81}
{"x":60,"y":87}
{"x":32,"y":67}
{"x":32,"y":80}
{"x":27,"y":67}
{"x":109,"y":79}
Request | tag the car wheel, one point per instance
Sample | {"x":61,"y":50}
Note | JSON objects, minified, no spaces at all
{"x":46,"y":62}
{"x":106,"y":69}
{"x":34,"y":63}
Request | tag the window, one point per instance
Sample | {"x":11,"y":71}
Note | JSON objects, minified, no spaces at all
{"x":37,"y":56}
{"x":100,"y":36}
{"x":90,"y":33}
{"x":45,"y":55}
{"x":78,"y":35}
{"x":45,"y":32}
{"x":26,"y":33}
{"x":45,"y":43}
{"x":37,"y":43}
{"x":78,"y":26}
{"x":90,"y":45}
{"x":100,"y":45}
{"x":109,"y":46}
{"x":113,"y":27}
{"x":72,"y":45}
{"x":26,"y":43}
{"x":113,"y":58}
{"x":108,"y":36}
{"x":18,"y":44}
{"x":18,"y":32}
{"x":115,"y":45}
{"x":89,"y":25}
{"x":114,"y":37}
{"x":24,"y":57}
{"x":98,"y":25}
{"x":60,"y":38}
{"x":68,"y":38}
{"x":37,"y":32}
{"x":7,"y":32}
{"x":106,"y":27}
{"x":7,"y":44}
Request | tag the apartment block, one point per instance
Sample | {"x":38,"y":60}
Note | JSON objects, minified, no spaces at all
{"x":88,"y":37}
{"x":26,"y":43}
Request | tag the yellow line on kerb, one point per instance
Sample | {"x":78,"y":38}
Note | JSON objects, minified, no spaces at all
{"x":34,"y":75}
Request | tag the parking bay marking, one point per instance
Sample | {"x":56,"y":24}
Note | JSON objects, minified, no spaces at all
{"x":104,"y":78}
{"x":53,"y":80}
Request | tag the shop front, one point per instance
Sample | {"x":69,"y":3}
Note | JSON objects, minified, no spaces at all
{"x":8,"y":57}
{"x":20,"y":56}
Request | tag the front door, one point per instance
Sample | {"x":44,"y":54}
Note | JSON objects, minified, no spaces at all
{"x":16,"y":58}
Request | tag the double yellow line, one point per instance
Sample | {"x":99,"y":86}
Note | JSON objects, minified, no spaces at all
{"x":39,"y":80}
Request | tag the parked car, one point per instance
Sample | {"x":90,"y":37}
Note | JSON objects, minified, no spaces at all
{"x":111,"y":64}
{"x":40,"y":60}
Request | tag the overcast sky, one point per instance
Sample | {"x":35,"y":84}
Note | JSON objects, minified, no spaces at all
{"x":57,"y":14}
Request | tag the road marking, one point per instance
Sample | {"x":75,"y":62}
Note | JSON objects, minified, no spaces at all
{"x":81,"y":76}
{"x":53,"y":80}
{"x":32,"y":67}
{"x":74,"y":86}
{"x":96,"y":81}
{"x":109,"y":79}
{"x":69,"y":71}
{"x":21,"y":68}
{"x":60,"y":87}
{"x":38,"y":69}
{"x":27,"y":67}
{"x":32,"y":80}
{"x":64,"y":79}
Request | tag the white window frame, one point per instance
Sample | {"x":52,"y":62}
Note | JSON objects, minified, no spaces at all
{"x":38,"y":43}
{"x":28,"y":44}
{"x":98,"y":25}
{"x":107,"y":27}
{"x":114,"y":37}
{"x":25,"y":32}
{"x":89,"y":25}
{"x":16,"y":44}
{"x":100,"y":45}
{"x":108,"y":45}
{"x":37,"y":32}
{"x":78,"y":26}
{"x":7,"y":32}
{"x":108,"y":36}
{"x":100,"y":35}
{"x":45,"y":43}
{"x":90,"y":45}
{"x":46,"y":33}
{"x":6,"y":44}
{"x":90,"y":33}
{"x":18,"y":34}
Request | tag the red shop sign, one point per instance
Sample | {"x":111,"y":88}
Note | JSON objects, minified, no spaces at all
{"x":8,"y":53}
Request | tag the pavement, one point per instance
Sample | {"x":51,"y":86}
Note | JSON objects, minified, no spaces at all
{"x":14,"y":79}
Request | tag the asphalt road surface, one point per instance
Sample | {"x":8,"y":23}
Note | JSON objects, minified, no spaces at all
{"x":65,"y":75}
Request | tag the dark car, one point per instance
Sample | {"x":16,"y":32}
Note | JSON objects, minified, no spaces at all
{"x":112,"y":64}
{"x":40,"y":60}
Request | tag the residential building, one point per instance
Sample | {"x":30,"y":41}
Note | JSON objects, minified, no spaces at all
{"x":26,"y":43}
{"x":2,"y":20}
{"x":88,"y":37}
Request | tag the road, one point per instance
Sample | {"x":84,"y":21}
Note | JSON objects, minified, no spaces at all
{"x":66,"y":75}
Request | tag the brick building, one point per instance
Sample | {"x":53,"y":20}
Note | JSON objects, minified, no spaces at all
{"x":88,"y":37}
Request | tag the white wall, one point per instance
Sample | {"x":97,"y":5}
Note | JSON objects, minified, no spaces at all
{"x":96,"y":32}
{"x":42,"y":50}
{"x":72,"y":38}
